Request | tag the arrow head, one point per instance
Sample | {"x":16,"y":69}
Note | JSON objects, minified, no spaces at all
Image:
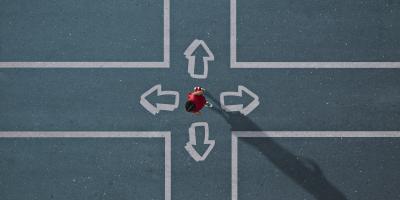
{"x":190,"y":51}
{"x":146,"y":104}
{"x":195,"y":149}
{"x":190,"y":146}
{"x":250,"y":107}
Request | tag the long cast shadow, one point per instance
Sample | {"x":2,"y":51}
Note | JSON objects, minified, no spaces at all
{"x":304,"y":172}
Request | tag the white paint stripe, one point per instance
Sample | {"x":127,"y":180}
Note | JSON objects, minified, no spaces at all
{"x":166,"y":33}
{"x":122,"y":134}
{"x":235,"y":64}
{"x":163,"y":64}
{"x":234,"y":167}
{"x":325,"y":134}
{"x":233,"y":33}
{"x":316,"y":133}
{"x":79,"y":134}
{"x":84,"y":65}
{"x":167,"y":167}
{"x":314,"y":64}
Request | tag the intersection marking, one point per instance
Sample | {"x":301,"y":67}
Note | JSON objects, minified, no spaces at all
{"x":250,"y":134}
{"x":239,"y":107}
{"x":163,"y":64}
{"x":192,"y":141}
{"x":103,"y":134}
{"x":235,"y":64}
{"x":159,"y":106}
{"x":192,"y":58}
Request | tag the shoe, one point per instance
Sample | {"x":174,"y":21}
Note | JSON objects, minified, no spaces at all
{"x":208,"y":104}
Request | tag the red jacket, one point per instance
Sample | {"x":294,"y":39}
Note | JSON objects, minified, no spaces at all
{"x":198,"y":100}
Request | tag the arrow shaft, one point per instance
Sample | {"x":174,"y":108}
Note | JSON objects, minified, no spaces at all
{"x":169,"y":107}
{"x":191,"y":64}
{"x":231,"y":108}
{"x":192,"y":136}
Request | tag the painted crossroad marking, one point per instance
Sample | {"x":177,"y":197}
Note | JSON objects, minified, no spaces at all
{"x":259,"y":134}
{"x":159,"y":106}
{"x":163,"y":64}
{"x":189,"y":54}
{"x":235,"y":64}
{"x":192,"y":141}
{"x":245,"y":110}
{"x":104,"y":134}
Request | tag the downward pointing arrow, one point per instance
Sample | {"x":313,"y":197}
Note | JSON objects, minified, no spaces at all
{"x":156,"y":109}
{"x":192,"y":58}
{"x":239,"y":107}
{"x":192,"y":141}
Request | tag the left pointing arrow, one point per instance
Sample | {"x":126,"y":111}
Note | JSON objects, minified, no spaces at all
{"x":159,"y":106}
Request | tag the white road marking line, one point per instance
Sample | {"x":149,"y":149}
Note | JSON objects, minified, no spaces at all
{"x":235,"y":64}
{"x":316,"y":133}
{"x":84,"y":65}
{"x":342,"y":65}
{"x":234,"y":167}
{"x":326,"y":134}
{"x":81,"y":134}
{"x":104,"y":134}
{"x":233,"y":35}
{"x":167,"y":165}
{"x":167,"y":39}
{"x":163,"y":64}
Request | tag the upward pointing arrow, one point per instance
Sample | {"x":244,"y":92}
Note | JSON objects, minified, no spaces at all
{"x":189,"y":54}
{"x":192,"y":142}
{"x":159,"y":106}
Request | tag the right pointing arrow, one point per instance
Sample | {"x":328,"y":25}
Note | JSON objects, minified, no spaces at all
{"x":192,"y":141}
{"x":239,"y":107}
{"x":159,"y":106}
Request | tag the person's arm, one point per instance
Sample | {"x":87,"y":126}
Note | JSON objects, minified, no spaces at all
{"x":198,"y":93}
{"x":197,"y":113}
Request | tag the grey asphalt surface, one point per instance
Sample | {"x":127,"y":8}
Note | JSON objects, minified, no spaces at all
{"x":81,"y":168}
{"x":108,"y":100}
{"x":329,"y":31}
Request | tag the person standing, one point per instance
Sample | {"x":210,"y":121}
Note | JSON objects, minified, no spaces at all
{"x":196,"y":101}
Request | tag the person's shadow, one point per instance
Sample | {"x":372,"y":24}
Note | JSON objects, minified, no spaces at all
{"x":304,"y":172}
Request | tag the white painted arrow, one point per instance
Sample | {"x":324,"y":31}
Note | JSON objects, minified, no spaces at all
{"x":159,"y":106}
{"x":192,"y":58}
{"x":192,"y":141}
{"x":239,"y":107}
